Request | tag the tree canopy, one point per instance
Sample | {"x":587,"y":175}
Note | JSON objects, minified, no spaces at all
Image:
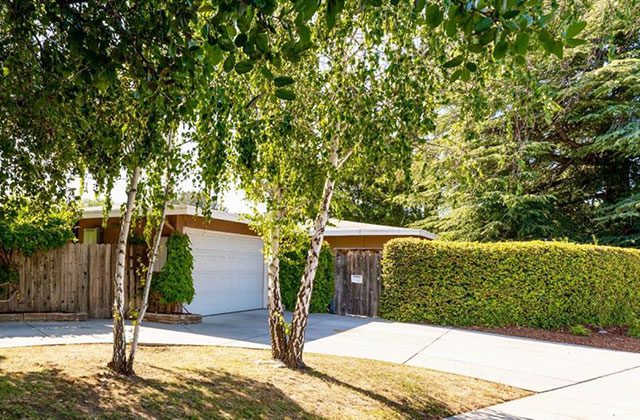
{"x":298,"y":97}
{"x":554,"y":154}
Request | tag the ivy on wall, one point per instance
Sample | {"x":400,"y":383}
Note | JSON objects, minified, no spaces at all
{"x":174,"y":283}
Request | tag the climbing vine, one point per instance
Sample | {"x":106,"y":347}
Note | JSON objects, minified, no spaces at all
{"x":174,"y":283}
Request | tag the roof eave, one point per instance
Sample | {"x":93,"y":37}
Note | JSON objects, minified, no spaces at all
{"x":381,"y":232}
{"x":177,"y":210}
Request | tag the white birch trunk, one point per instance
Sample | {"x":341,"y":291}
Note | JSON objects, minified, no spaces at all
{"x":147,"y":287}
{"x":119,"y":358}
{"x":276,"y":311}
{"x":153,"y":256}
{"x":295,"y":347}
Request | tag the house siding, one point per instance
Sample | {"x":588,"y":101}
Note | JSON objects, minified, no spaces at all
{"x":360,"y":241}
{"x":109,"y":233}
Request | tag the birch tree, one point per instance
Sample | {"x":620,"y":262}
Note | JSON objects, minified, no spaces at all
{"x":293,"y":148}
{"x":366,"y":95}
{"x":276,"y":162}
{"x":145,"y":68}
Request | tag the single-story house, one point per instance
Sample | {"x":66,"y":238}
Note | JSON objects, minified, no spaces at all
{"x":229,"y":270}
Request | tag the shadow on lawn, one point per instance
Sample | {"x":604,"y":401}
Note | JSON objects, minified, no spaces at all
{"x":429,"y":408}
{"x":203,"y":394}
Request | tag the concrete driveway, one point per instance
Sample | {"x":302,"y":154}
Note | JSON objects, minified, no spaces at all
{"x":574,"y":381}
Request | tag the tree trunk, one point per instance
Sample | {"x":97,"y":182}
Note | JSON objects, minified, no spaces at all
{"x":276,"y":312}
{"x":147,"y":286}
{"x":119,"y":359}
{"x":293,"y":357}
{"x":153,"y":256}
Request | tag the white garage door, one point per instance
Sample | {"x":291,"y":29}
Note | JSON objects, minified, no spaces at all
{"x":228,"y":272}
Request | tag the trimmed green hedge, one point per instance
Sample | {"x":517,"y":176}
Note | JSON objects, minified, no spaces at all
{"x":536,"y":284}
{"x":291,"y":270}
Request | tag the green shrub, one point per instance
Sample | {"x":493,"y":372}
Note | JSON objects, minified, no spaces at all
{"x":580,"y":330}
{"x":634,"y":328}
{"x":291,"y":271}
{"x":535,"y":284}
{"x":174,"y":283}
{"x":26,"y":228}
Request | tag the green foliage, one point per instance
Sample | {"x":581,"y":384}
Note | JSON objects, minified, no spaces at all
{"x":533,"y":284}
{"x":26,"y":228}
{"x":370,"y":196}
{"x":634,"y":328}
{"x":580,"y":330}
{"x":36,"y":154}
{"x":555,"y":152}
{"x":291,"y":270}
{"x":9,"y":274}
{"x":174,"y":283}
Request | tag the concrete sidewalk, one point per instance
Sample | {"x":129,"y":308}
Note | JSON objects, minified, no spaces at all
{"x":566,"y":374}
{"x":610,"y":397}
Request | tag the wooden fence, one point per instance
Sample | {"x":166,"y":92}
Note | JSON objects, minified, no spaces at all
{"x":357,"y":281}
{"x":76,"y":278}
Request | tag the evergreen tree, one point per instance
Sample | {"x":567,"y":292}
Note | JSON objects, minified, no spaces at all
{"x":555,"y":152}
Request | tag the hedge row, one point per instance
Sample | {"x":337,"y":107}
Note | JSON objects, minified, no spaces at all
{"x":291,"y":270}
{"x":536,"y":284}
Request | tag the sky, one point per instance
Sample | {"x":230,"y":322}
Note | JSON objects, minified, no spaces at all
{"x":233,"y":200}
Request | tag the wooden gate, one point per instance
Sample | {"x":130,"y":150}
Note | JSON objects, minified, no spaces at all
{"x":357,"y":282}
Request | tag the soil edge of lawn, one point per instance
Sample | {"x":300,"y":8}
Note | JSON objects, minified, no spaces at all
{"x":613,"y":338}
{"x":220,"y":382}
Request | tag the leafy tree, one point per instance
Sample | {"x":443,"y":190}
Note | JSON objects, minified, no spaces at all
{"x":145,"y":72}
{"x":364,"y":97}
{"x":375,"y":196}
{"x":38,"y":116}
{"x":288,"y":150}
{"x":554,"y":155}
{"x":274,"y":167}
{"x":193,"y":198}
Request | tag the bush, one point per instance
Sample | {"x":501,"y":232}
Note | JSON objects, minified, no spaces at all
{"x":291,"y":271}
{"x":634,"y":329}
{"x":580,"y":330}
{"x":26,"y":228}
{"x":174,"y":283}
{"x":534,"y":284}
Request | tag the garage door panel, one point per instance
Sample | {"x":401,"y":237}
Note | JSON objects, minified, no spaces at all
{"x":228,"y":272}
{"x":212,"y":261}
{"x":228,"y":302}
{"x":202,"y":242}
{"x":226,"y":282}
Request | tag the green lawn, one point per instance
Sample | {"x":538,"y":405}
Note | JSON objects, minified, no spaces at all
{"x":216,"y":382}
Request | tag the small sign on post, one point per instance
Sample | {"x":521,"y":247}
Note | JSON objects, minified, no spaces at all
{"x":356,"y":278}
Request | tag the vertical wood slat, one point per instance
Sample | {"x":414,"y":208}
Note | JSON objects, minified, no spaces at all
{"x":111,"y":267}
{"x":337,"y":283}
{"x":73,"y":278}
{"x":92,"y":305}
{"x":354,"y":298}
{"x":58,"y":290}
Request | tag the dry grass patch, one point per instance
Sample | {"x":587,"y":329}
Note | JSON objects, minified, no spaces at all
{"x":217,"y":382}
